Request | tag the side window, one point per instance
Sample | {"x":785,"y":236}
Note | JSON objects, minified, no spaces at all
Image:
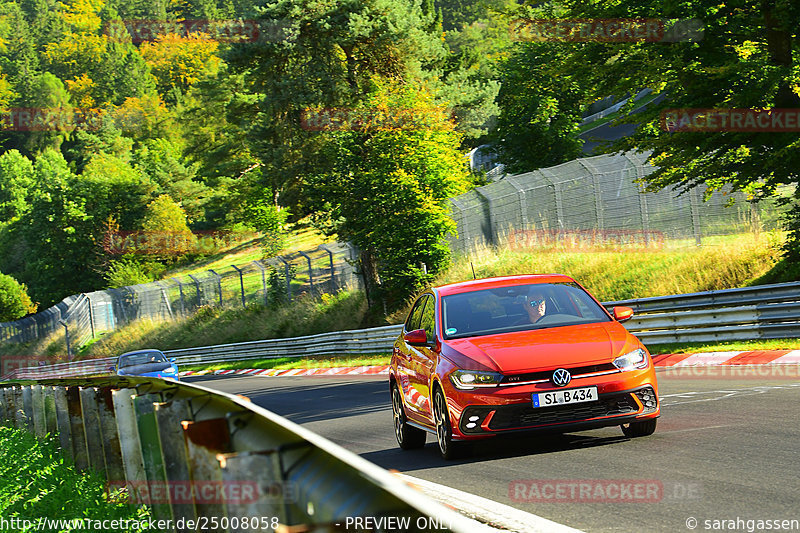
{"x":413,"y":320}
{"x":427,"y":320}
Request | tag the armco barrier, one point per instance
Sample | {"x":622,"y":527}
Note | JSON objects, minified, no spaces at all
{"x":764,"y":312}
{"x":168,"y":442}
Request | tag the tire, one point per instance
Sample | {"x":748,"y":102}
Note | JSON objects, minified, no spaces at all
{"x":448,"y":448}
{"x":639,"y":429}
{"x":408,"y":437}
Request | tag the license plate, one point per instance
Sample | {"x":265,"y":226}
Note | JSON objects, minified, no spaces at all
{"x":562,"y":397}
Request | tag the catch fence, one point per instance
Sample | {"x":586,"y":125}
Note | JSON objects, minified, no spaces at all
{"x":81,"y":318}
{"x":598,"y":200}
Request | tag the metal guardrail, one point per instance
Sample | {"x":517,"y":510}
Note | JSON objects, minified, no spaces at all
{"x":748,"y":313}
{"x":764,"y":312}
{"x":176,"y":440}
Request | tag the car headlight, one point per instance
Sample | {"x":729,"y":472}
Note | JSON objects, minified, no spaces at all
{"x":469,"y":379}
{"x":631,"y":360}
{"x":170,"y":370}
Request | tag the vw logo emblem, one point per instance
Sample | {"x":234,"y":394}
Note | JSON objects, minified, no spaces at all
{"x":561,"y":377}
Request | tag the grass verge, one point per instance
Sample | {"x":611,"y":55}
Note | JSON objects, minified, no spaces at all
{"x":37,"y":481}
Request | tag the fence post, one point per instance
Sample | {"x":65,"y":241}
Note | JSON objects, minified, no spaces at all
{"x":263,"y":280}
{"x":180,"y":290}
{"x":91,"y":316}
{"x":219,"y":285}
{"x":241,"y":282}
{"x":334,"y":285}
{"x":165,"y":297}
{"x":288,"y":277}
{"x":694,"y":207}
{"x":197,"y":290}
{"x":66,"y":339}
{"x":310,"y":273}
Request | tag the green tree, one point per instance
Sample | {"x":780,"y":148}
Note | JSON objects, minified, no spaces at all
{"x":16,"y":182}
{"x":746,"y":57}
{"x":60,"y":248}
{"x":14,"y":300}
{"x":387,"y":192}
{"x":326,"y":56}
{"x":540,"y":108}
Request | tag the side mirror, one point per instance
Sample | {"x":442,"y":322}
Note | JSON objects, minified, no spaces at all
{"x":418,"y":337}
{"x":112,"y":368}
{"x":171,"y":359}
{"x":621,"y":314}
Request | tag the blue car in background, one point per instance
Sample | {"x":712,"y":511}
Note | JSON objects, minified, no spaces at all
{"x":149,"y":363}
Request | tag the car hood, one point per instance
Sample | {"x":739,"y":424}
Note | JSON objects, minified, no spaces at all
{"x":543,"y":349}
{"x":147,"y":368}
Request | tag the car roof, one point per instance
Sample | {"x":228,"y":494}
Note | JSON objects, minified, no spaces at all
{"x":146,"y":350}
{"x":505,"y":281}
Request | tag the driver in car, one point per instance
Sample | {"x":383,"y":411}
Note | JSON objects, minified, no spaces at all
{"x":535,"y":306}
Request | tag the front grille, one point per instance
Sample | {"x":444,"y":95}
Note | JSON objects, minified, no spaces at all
{"x":525,"y":415}
{"x":545,"y":375}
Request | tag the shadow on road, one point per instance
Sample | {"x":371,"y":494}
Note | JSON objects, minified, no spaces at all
{"x":496,"y":448}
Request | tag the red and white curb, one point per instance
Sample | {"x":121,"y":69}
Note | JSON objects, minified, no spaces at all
{"x":757,"y":357}
{"x":271,"y":372}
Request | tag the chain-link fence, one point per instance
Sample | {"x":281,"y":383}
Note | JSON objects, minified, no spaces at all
{"x":598,"y":199}
{"x":280,"y":279}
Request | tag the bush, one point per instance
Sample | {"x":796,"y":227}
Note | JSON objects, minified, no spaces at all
{"x":14,"y":300}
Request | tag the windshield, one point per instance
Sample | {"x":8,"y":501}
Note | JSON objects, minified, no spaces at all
{"x":518,"y":308}
{"x":141,"y":358}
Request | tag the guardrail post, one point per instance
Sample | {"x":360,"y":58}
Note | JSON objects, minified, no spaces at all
{"x":241,"y":282}
{"x":260,"y":482}
{"x":50,"y":421}
{"x":62,"y":421}
{"x":152,"y":454}
{"x":79,"y":451}
{"x":204,"y":440}
{"x":92,"y":430}
{"x":19,"y":409}
{"x":128,"y":432}
{"x":108,"y":429}
{"x":37,"y":410}
{"x":6,"y":410}
{"x":27,"y":408}
{"x":176,"y":458}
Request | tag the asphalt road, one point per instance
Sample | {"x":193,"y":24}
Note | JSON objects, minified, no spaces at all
{"x":724,"y":449}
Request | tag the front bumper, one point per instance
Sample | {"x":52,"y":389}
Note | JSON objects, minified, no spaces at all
{"x":611,"y":409}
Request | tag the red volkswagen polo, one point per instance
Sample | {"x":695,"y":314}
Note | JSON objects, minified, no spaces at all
{"x":522,"y":353}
